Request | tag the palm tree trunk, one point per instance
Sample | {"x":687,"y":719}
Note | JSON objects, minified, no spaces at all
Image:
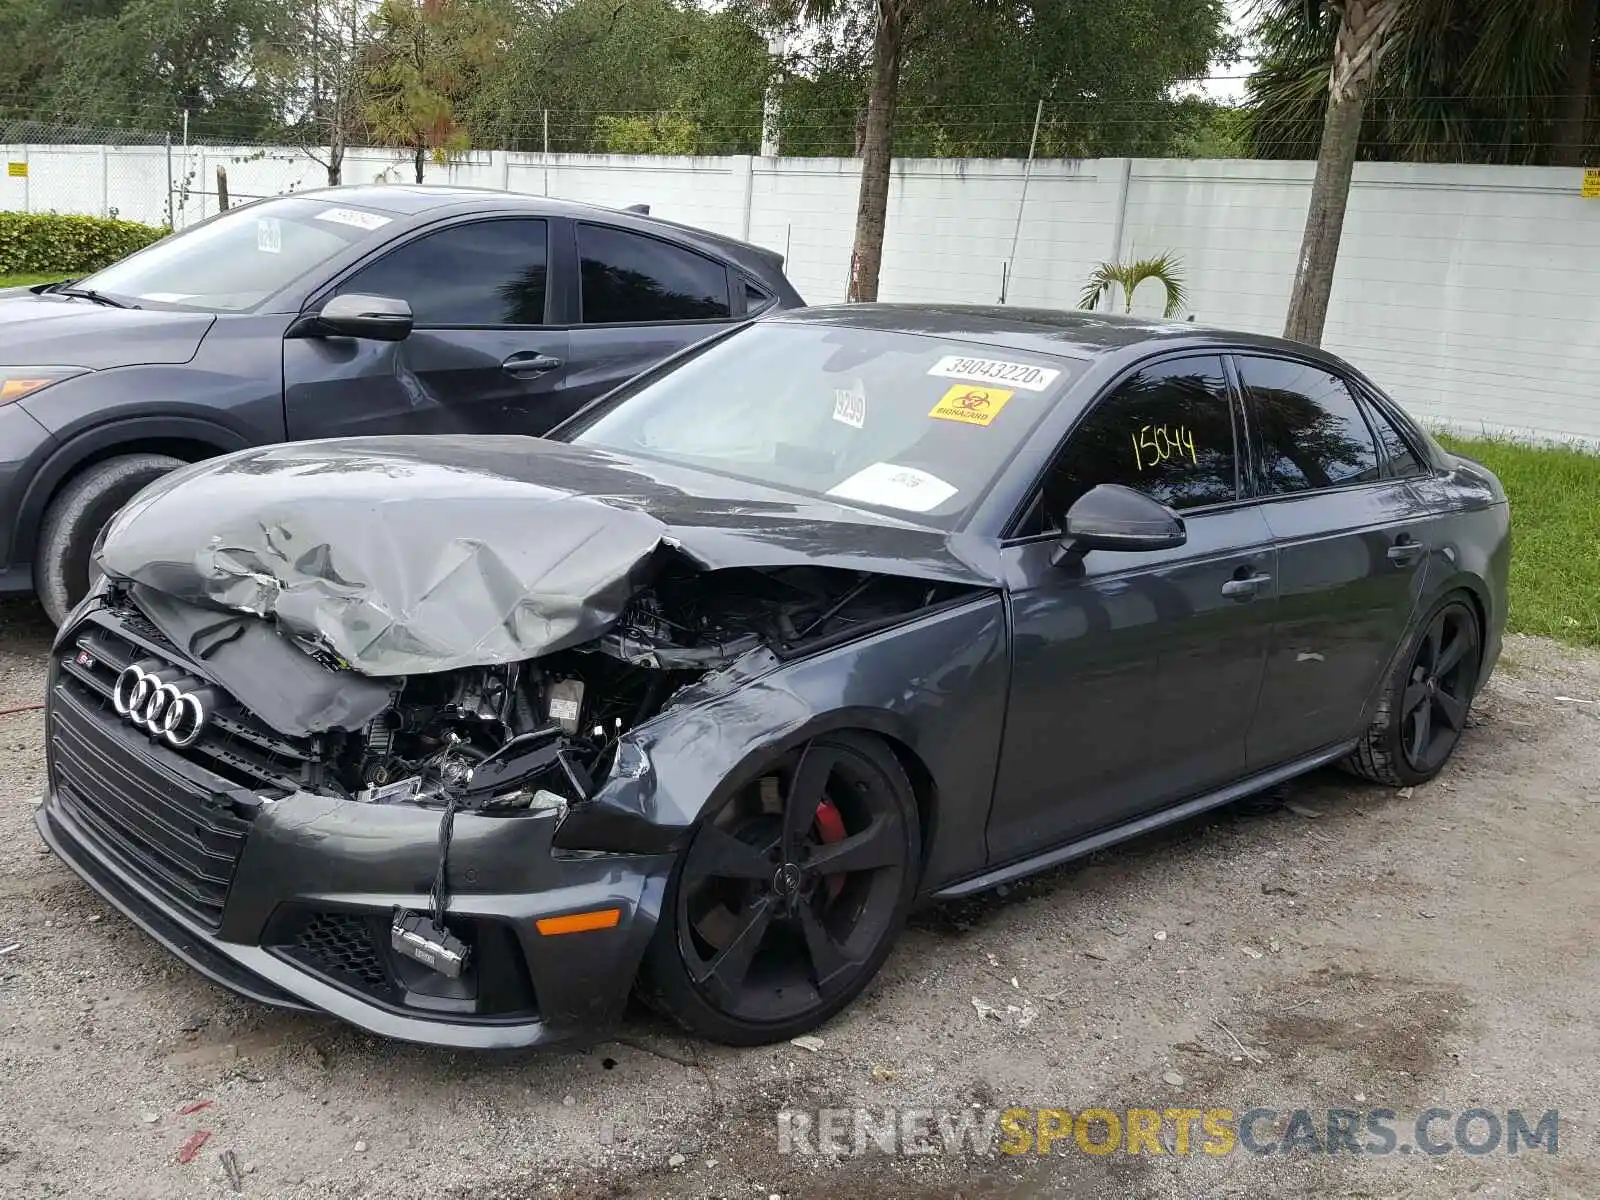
{"x":418,"y":154}
{"x":1364,"y":32}
{"x":1572,"y":117}
{"x":877,"y":142}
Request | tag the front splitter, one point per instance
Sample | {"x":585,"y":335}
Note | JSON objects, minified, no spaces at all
{"x":256,"y":973}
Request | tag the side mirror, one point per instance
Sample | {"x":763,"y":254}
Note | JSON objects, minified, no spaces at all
{"x":1113,"y":517}
{"x":376,"y":318}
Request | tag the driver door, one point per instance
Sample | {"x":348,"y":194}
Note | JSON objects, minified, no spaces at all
{"x":481,"y":357}
{"x":1135,"y":675}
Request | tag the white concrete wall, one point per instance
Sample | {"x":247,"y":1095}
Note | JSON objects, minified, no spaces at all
{"x":1471,"y":293}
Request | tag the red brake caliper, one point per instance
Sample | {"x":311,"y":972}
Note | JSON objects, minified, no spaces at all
{"x":830,"y":828}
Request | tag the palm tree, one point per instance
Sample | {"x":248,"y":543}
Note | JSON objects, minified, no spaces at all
{"x":1165,"y":269}
{"x":1366,"y":29}
{"x":1578,"y":72}
{"x":1461,"y":80}
{"x":1492,"y":81}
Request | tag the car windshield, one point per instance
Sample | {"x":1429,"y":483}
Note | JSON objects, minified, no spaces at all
{"x":910,"y":423}
{"x":236,"y":261}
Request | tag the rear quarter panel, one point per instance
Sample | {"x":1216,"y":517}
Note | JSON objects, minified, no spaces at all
{"x":1469,"y":545}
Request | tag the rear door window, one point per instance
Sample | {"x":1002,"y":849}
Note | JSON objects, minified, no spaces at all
{"x":1402,"y":459}
{"x":1310,"y":432}
{"x":630,"y":279}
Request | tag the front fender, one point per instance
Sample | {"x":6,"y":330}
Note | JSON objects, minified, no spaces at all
{"x":935,"y":687}
{"x":64,"y":458}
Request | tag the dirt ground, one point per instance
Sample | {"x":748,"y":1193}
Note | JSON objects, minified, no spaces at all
{"x":1360,"y":948}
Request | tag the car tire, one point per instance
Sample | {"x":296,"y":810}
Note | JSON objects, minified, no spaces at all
{"x":866,"y":784}
{"x":74,"y":520}
{"x":1388,"y":752}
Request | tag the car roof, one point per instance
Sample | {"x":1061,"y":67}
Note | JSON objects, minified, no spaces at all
{"x":415,"y":200}
{"x":1073,"y":333}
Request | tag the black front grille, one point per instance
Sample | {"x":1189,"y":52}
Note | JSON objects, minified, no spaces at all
{"x":176,"y":819}
{"x":235,"y":746}
{"x":158,"y":821}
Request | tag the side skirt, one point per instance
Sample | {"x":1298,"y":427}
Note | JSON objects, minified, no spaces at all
{"x":1141,"y":825}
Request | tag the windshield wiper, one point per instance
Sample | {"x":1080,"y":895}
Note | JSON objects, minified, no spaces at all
{"x":97,"y":297}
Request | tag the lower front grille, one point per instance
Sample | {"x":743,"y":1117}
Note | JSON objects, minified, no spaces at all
{"x":341,"y":945}
{"x":351,"y":949}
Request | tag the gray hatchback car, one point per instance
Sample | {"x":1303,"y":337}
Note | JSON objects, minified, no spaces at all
{"x":355,"y":310}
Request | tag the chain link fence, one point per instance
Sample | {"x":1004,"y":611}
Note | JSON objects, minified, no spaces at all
{"x":105,"y":171}
{"x":141,"y":171}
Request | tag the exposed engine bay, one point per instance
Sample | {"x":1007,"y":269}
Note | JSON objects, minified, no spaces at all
{"x":539,"y":733}
{"x":458,"y":631}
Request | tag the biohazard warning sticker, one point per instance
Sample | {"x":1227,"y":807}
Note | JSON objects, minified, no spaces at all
{"x":970,"y":404}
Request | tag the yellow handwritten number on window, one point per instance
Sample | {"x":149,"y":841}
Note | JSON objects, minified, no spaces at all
{"x":1155,"y":444}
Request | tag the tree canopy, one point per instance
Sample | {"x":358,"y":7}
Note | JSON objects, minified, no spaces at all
{"x":1488,"y":81}
{"x":974,"y":78}
{"x":635,"y":76}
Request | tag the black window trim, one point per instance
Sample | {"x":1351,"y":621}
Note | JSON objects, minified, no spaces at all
{"x":1371,"y":403}
{"x":331,"y":288}
{"x":1262,"y":496}
{"x":744,"y":282}
{"x":1236,"y":410}
{"x":579,"y":323}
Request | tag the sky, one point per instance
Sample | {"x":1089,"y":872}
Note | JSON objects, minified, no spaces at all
{"x":1232,"y":87}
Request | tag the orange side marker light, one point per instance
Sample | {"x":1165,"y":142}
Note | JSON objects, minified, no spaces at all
{"x":600,"y":918}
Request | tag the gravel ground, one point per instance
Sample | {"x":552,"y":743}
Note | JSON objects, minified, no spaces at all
{"x":1357,"y":948}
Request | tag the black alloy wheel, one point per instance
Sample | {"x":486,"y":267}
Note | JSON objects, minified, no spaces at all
{"x":1418,"y":718}
{"x":788,"y":899}
{"x":1438,"y":692}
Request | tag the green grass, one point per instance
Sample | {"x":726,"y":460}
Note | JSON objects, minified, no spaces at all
{"x":28,"y":280}
{"x":1555,"y":535}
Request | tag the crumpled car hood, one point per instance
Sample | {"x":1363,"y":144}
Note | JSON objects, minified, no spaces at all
{"x":406,"y":555}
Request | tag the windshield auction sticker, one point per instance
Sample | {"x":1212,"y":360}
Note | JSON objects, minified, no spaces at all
{"x":970,"y":404}
{"x":889,"y":486}
{"x":850,"y":406}
{"x":993,"y":370}
{"x":354,"y":217}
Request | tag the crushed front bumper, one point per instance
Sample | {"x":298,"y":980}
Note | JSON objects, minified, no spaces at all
{"x":306,"y":916}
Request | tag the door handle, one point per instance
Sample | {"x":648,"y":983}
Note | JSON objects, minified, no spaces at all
{"x":1405,"y":551}
{"x":1245,"y":588}
{"x":527,"y":365}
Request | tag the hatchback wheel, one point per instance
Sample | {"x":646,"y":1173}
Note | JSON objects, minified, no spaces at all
{"x":61,"y":566}
{"x":789,"y":898}
{"x":1424,"y":708}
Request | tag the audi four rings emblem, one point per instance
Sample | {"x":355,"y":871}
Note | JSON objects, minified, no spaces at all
{"x":163,"y":709}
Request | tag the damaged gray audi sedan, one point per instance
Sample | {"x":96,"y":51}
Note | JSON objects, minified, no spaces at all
{"x":463,"y":739}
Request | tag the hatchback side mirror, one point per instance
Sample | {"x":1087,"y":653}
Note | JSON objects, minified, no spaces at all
{"x":1112,"y":517}
{"x":375,"y":318}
